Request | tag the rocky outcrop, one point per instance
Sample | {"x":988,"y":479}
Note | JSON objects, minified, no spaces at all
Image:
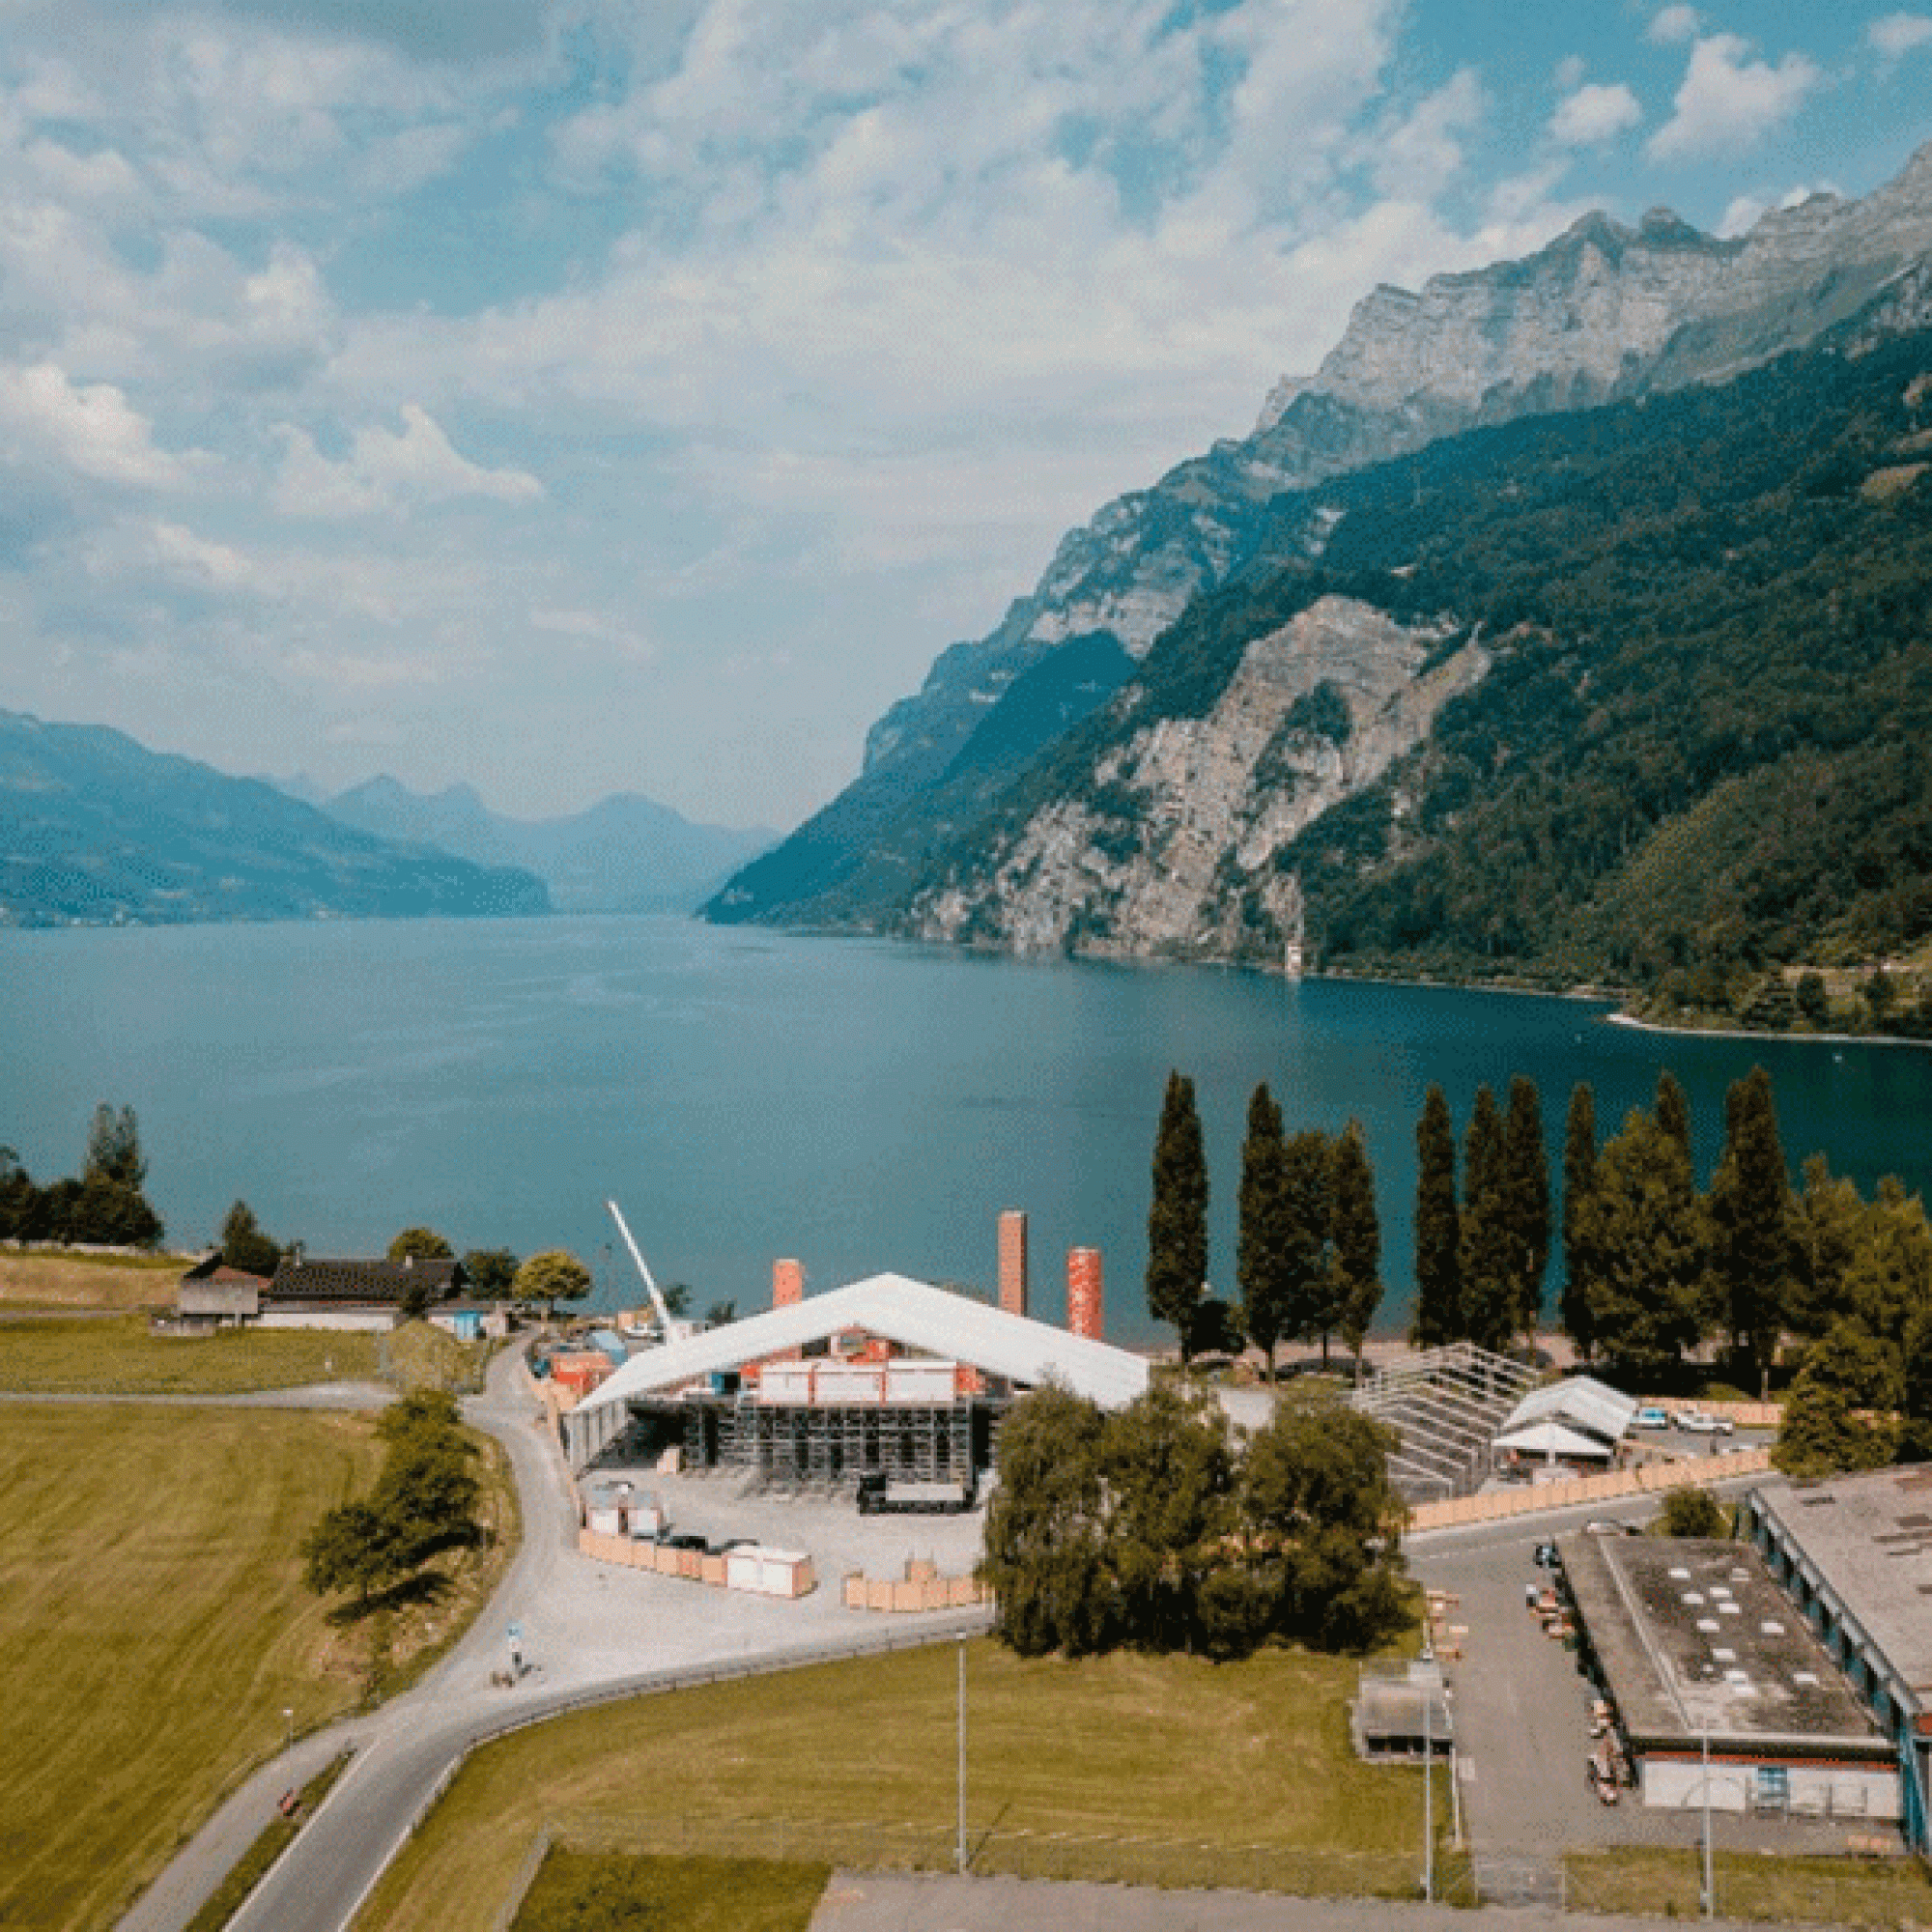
{"x":1169,"y":852}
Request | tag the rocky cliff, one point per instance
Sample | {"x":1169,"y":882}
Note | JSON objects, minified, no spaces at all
{"x":1604,"y":311}
{"x":1167,"y":852}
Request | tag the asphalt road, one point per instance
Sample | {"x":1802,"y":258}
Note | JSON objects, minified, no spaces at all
{"x":591,"y":1634}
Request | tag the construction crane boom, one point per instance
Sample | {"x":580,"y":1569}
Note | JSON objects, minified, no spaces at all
{"x":637,"y":1254}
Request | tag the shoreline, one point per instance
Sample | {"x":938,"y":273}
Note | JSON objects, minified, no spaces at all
{"x":1629,"y":1019}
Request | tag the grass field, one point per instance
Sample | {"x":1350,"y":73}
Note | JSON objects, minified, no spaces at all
{"x":34,"y":1279}
{"x":118,"y":1355}
{"x":575,"y":1891}
{"x":1813,"y":1891}
{"x":153,"y":1630}
{"x":1232,"y":1756}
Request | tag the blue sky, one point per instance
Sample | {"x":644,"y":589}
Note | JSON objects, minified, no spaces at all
{"x":591,"y":396}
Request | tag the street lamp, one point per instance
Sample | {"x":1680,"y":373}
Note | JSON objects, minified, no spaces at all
{"x":1710,"y":1878}
{"x":960,"y":1848}
{"x":288,"y":1727}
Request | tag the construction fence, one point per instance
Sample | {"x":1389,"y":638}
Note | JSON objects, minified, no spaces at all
{"x":1646,"y":1479}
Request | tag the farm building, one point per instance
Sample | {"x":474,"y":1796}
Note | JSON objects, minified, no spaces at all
{"x":1717,"y":1689}
{"x":1855,"y":1554}
{"x":887,"y":1378}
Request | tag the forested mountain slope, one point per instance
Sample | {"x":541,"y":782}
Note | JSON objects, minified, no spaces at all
{"x":1619,"y":695}
{"x":1604,"y":311}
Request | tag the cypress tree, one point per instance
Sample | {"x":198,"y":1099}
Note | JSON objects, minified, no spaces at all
{"x":1488,"y":1276}
{"x":1438,"y":1289}
{"x":1262,"y":1259}
{"x":1646,"y":1224}
{"x":1526,"y":1187}
{"x":1177,"y":1220}
{"x":1580,"y":1181}
{"x":1358,"y":1238}
{"x":1752,"y":1247}
{"x":1307,"y":1176}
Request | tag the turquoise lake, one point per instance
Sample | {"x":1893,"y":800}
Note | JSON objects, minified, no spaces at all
{"x":862,"y":1106}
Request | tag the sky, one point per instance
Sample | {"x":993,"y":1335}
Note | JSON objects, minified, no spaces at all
{"x":572,"y":396}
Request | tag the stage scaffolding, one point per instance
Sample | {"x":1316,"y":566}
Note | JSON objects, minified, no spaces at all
{"x":804,"y":1443}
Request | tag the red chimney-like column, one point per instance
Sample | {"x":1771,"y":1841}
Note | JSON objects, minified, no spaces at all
{"x":1083,"y":1293}
{"x":788,"y":1283}
{"x":1013,"y":1262}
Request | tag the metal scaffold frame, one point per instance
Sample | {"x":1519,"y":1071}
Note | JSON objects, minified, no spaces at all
{"x":1446,"y":1406}
{"x":791,"y":1444}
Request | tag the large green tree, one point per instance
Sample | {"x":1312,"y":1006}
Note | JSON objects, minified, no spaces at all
{"x":1046,"y":1531}
{"x":114,"y":1147}
{"x":1753,"y":1255}
{"x":555,"y":1275}
{"x":1323,"y":1522}
{"x":492,"y":1273}
{"x":1914,"y":1439}
{"x":1827,"y":1220}
{"x":1176,"y":1270}
{"x":1646,"y":1228}
{"x":1526,"y":1200}
{"x":1439,"y":1285}
{"x":1486,"y":1256}
{"x":1356,"y":1227}
{"x":1262,"y":1264}
{"x":1579,"y":1182}
{"x":244,"y":1245}
{"x":421,"y":1244}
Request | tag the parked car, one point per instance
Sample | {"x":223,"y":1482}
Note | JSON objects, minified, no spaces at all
{"x":1650,"y":1417}
{"x":1604,"y":1526}
{"x":1546,"y":1558}
{"x":1697,"y":1422}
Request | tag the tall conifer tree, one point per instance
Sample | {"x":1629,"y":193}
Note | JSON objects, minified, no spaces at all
{"x":1526,"y":1187}
{"x":1308,"y":1177}
{"x":1753,"y":1250}
{"x":1438,"y":1292}
{"x":1262,"y":1261}
{"x":1177,"y":1220}
{"x":1487,"y":1251}
{"x":1580,"y":1181}
{"x":1358,"y":1238}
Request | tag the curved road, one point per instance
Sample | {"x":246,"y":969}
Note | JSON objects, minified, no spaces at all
{"x":591,"y":1636}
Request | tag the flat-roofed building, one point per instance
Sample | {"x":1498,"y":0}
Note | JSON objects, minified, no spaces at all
{"x":1855,"y":1552}
{"x":1717,"y":1686}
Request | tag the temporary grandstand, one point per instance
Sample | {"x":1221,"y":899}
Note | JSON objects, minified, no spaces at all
{"x":1446,"y":1406}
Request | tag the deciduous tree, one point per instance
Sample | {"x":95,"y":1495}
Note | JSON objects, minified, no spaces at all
{"x":491,"y":1272}
{"x":555,"y":1275}
{"x":244,"y":1245}
{"x":422,"y":1244}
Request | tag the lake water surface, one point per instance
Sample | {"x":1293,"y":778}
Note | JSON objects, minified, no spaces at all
{"x":744,"y":1096}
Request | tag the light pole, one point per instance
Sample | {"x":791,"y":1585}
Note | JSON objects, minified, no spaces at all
{"x":1710,"y":1880}
{"x":1428,"y":1795}
{"x":288,"y":1727}
{"x":959,"y":1849}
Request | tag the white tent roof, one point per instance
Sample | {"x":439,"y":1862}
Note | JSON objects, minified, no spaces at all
{"x":1578,"y":1402}
{"x":898,"y":1309}
{"x":1553,"y":1439}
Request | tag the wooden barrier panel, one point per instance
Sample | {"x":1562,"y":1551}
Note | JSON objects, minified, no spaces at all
{"x":855,"y":1590}
{"x":712,"y":1571}
{"x":1649,"y":1478}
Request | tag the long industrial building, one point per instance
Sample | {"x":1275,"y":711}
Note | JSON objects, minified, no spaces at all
{"x":886,"y":1377}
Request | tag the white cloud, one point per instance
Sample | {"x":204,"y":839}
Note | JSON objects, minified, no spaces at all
{"x":1594,"y":113}
{"x":387,"y":471}
{"x":89,"y":428}
{"x":1673,"y":24}
{"x":589,"y":629}
{"x":1732,"y":100}
{"x":1898,"y":35}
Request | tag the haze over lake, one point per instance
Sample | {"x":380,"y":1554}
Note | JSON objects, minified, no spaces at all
{"x":860,"y":1105}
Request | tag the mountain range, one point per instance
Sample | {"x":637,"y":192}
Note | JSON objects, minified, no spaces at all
{"x":1204,"y":661}
{"x":622,"y":854}
{"x":96,"y":830}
